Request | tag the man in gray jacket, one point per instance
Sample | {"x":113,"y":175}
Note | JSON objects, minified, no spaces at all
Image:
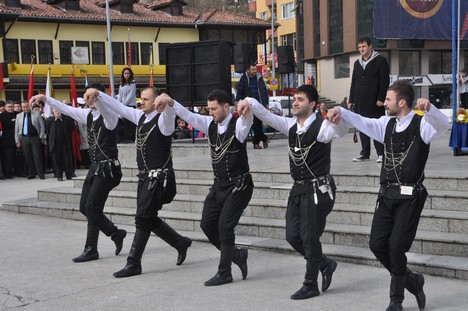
{"x":29,"y":133}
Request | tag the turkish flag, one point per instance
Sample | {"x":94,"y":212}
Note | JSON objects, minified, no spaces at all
{"x":73,"y":95}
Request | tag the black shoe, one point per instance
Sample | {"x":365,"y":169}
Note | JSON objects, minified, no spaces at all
{"x":305,"y":292}
{"x":60,"y":178}
{"x":42,"y":177}
{"x":240,"y":259}
{"x":327,"y":268}
{"x":89,"y":253}
{"x":3,"y":177}
{"x":394,"y":306}
{"x":73,"y":175}
{"x":183,"y":251}
{"x":415,"y":285}
{"x":31,"y":177}
{"x":118,"y":236}
{"x":219,"y":279}
{"x":128,"y":270}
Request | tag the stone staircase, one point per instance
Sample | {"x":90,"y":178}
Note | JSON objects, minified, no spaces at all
{"x":440,"y":247}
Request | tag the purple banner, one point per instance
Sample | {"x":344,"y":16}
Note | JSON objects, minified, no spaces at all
{"x":417,"y":19}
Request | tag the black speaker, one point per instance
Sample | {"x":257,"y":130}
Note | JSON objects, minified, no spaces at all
{"x":5,"y":70}
{"x":194,"y":69}
{"x":286,"y":60}
{"x":242,"y":56}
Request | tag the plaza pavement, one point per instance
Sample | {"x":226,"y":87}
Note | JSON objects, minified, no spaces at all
{"x":36,"y":271}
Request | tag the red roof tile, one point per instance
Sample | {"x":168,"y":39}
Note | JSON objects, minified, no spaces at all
{"x":92,"y":12}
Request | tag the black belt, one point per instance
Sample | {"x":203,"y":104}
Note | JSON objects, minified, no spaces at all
{"x":395,"y":184}
{"x":224,"y":179}
{"x":320,"y":179}
{"x":30,"y":135}
{"x":151,"y":173}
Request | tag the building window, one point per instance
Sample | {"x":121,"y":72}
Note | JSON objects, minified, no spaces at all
{"x":289,"y":40}
{"x":146,"y":51}
{"x":287,"y":10}
{"x":385,"y":54}
{"x":335,"y":26}
{"x":364,"y":16}
{"x":410,"y":63}
{"x":135,"y":53}
{"x":28,"y":51}
{"x":342,"y":66}
{"x":65,"y":52}
{"x":83,"y":44}
{"x":10,"y":50}
{"x":162,"y":53}
{"x":118,"y":53}
{"x":13,"y":95}
{"x":440,"y":62}
{"x":263,"y":15}
{"x":99,"y":53}
{"x":45,"y":52}
{"x":316,"y":22}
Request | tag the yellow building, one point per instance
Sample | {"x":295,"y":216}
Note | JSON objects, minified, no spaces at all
{"x":285,"y":33}
{"x":61,"y":34}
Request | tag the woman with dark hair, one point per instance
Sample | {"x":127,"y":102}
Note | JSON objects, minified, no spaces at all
{"x":127,"y":96}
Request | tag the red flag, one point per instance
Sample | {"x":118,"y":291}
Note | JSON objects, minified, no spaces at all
{"x":129,"y":56}
{"x":31,"y":83}
{"x":73,"y":95}
{"x":151,"y":77}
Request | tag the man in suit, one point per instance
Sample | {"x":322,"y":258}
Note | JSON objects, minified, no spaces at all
{"x":59,"y":135}
{"x":29,"y":132}
{"x":7,"y":143}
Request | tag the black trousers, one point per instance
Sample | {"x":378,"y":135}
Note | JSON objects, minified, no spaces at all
{"x":223,"y":208}
{"x":394,"y":227}
{"x":32,"y":150}
{"x":464,"y":100}
{"x":8,"y":160}
{"x":62,"y":160}
{"x":306,"y":220}
{"x":257,"y":128}
{"x":94,"y":194}
{"x":149,"y":203}
{"x":366,"y":147}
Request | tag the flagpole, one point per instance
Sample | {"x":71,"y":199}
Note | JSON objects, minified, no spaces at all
{"x":129,"y":56}
{"x":111,"y":61}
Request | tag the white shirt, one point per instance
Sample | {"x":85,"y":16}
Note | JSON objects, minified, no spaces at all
{"x":328,"y":131}
{"x":202,"y":123}
{"x":433,"y":125}
{"x":81,"y":115}
{"x":108,"y":105}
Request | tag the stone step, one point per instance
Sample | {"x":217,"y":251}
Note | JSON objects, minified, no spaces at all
{"x":446,"y":266}
{"x":355,"y":213}
{"x":341,"y":179}
{"x":426,"y":242}
{"x":358,"y":195}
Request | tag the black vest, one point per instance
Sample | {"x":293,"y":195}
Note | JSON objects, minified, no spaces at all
{"x":153,"y":149}
{"x":408,"y":157}
{"x":102,"y":142}
{"x":234,"y":161}
{"x":317,"y":159}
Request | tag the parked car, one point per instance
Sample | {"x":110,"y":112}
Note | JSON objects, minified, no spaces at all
{"x":284,"y":102}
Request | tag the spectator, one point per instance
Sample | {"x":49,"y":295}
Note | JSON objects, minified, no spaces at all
{"x":7,"y":142}
{"x":17,"y":107}
{"x":181,"y":131}
{"x":127,"y":96}
{"x":463,"y":89}
{"x":344,"y":103}
{"x":251,"y":84}
{"x":369,"y":83}
{"x":29,"y":133}
{"x":59,"y":130}
{"x":323,"y":109}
